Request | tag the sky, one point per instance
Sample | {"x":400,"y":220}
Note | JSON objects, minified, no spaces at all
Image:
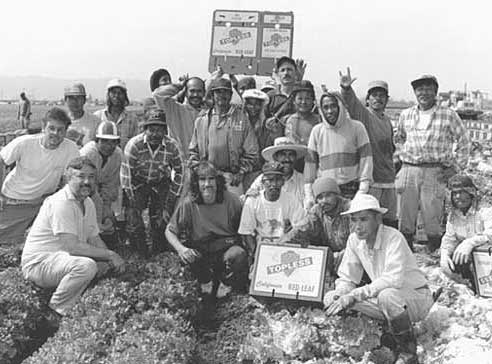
{"x":380,"y":39}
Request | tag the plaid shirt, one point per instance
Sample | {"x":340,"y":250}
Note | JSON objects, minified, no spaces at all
{"x":143,"y":166}
{"x":433,"y":144}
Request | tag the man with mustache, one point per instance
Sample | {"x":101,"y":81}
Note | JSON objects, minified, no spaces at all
{"x":115,"y":111}
{"x":286,"y":152}
{"x":380,"y":131}
{"x":224,"y":136}
{"x":427,"y":134}
{"x":40,"y":160}
{"x":269,"y":215}
{"x":63,"y":249}
{"x":105,"y":154}
{"x":203,"y":230}
{"x":151,"y":176}
{"x":181,"y":116}
{"x":288,"y":72}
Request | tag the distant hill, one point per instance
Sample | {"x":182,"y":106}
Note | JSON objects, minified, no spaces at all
{"x":48,"y":88}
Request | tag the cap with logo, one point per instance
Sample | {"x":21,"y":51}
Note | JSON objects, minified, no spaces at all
{"x":270,"y":168}
{"x":155,"y":117}
{"x":107,"y":130}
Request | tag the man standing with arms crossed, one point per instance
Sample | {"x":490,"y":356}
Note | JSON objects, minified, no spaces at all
{"x":427,"y":133}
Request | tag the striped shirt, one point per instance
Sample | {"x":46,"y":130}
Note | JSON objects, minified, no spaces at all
{"x":341,"y":151}
{"x":144,"y":166}
{"x":433,"y":143}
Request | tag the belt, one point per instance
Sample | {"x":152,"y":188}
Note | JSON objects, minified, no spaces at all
{"x":425,"y":165}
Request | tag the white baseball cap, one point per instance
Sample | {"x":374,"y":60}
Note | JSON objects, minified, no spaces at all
{"x":116,"y":82}
{"x":107,"y":130}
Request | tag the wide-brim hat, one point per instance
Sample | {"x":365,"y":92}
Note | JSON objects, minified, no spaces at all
{"x":363,"y":202}
{"x":284,"y":143}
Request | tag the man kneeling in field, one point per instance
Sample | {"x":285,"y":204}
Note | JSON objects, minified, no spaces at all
{"x":63,"y":245}
{"x":398,"y":293}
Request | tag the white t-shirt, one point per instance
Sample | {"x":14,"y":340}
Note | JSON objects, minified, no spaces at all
{"x":267,"y":220}
{"x":87,"y":126}
{"x":425,"y":118}
{"x":59,"y":214}
{"x":38,"y":170}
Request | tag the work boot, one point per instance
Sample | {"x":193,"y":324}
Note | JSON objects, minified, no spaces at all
{"x":401,"y":328}
{"x":409,"y":238}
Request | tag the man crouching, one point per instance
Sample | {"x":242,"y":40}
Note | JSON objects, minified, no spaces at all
{"x":203,"y":230}
{"x":63,"y":244}
{"x":398,"y":293}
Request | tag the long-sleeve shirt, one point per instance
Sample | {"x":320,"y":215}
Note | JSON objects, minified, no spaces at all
{"x":476,"y":226}
{"x":323,"y":229}
{"x":341,"y":151}
{"x":380,"y":133}
{"x":144,"y":166}
{"x":179,"y":118}
{"x":127,"y":124}
{"x":433,"y":143}
{"x":390,"y":264}
{"x":227,"y":141}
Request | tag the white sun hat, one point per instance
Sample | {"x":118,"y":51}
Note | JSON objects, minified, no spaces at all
{"x":255,"y":94}
{"x":363,"y":202}
{"x":284,"y":143}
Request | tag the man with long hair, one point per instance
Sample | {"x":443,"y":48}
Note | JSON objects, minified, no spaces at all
{"x":203,"y":230}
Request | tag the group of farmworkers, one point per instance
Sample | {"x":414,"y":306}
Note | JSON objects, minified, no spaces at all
{"x":223,"y":166}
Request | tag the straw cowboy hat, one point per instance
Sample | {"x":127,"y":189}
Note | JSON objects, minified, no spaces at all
{"x":362,"y":202}
{"x":283,"y":143}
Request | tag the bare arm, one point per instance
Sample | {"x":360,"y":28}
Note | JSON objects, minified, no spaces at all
{"x":186,"y":254}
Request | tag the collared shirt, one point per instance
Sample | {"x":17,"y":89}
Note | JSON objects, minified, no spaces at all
{"x":144,"y":166}
{"x":38,"y":170}
{"x":237,"y":140}
{"x":323,"y":229}
{"x":294,"y":185}
{"x":108,"y":175}
{"x":127,"y":124}
{"x":476,"y":226}
{"x":60,"y":213}
{"x":390,"y":264}
{"x":433,"y":143}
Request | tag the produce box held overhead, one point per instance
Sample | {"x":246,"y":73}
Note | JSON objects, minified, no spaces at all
{"x":250,"y":42}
